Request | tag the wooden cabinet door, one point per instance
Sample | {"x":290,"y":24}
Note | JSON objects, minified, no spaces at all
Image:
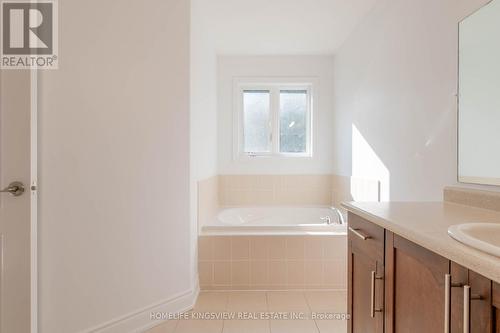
{"x":479,"y":288}
{"x":415,"y":287}
{"x":481,"y":314}
{"x":366,"y":272}
{"x":362,"y":290}
{"x":459,"y":278}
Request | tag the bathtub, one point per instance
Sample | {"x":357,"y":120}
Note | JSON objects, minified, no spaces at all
{"x":276,"y":220}
{"x":273,"y":248}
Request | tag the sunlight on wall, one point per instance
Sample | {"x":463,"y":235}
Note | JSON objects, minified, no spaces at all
{"x":367,"y":165}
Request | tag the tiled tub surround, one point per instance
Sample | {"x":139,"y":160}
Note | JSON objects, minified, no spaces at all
{"x":275,"y":262}
{"x":273,"y":190}
{"x":254,"y":190}
{"x":272,"y":262}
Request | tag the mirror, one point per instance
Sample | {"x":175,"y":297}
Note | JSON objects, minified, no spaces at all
{"x":479,"y":97}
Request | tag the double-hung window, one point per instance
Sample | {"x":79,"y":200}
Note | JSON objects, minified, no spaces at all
{"x":274,"y":119}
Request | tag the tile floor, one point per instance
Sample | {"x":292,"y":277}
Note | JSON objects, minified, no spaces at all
{"x":306,"y":302}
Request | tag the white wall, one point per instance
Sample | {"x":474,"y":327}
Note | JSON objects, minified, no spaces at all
{"x":395,"y":86}
{"x":114,"y":164}
{"x":319,"y":67}
{"x":203,"y":112}
{"x":203,"y":95}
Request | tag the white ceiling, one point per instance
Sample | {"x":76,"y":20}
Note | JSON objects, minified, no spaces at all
{"x":254,"y":27}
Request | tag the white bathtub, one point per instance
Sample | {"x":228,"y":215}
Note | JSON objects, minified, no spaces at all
{"x":276,"y":220}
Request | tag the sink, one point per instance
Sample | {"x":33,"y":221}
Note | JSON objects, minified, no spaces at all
{"x":481,"y":236}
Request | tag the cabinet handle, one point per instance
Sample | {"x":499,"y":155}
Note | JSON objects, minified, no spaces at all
{"x":359,"y":234}
{"x":372,"y":298}
{"x":467,"y":298}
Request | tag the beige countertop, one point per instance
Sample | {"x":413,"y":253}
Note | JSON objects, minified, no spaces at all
{"x":426,"y":224}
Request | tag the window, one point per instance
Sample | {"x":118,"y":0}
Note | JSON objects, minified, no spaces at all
{"x":274,"y":119}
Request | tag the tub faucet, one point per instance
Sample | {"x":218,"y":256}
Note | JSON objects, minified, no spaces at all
{"x":327,"y":219}
{"x":340,"y":218}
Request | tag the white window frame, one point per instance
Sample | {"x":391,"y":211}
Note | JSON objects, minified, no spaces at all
{"x":274,"y":85}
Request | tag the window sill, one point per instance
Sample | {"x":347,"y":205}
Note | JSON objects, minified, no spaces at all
{"x":291,"y":156}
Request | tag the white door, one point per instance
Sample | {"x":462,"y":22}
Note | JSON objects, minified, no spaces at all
{"x":17,"y":218}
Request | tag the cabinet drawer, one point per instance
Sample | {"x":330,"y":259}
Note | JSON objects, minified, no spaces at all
{"x":367,"y":237}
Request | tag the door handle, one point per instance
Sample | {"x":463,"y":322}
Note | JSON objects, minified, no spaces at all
{"x":15,"y":189}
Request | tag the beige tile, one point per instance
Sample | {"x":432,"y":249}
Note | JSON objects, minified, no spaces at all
{"x":240,"y":273}
{"x":275,"y":189}
{"x":240,"y":248}
{"x":327,"y":301}
{"x":259,"y":247}
{"x":313,"y":247}
{"x":290,"y":197}
{"x":211,"y":301}
{"x":313,"y":273}
{"x":287,"y":301}
{"x":335,"y":274}
{"x":199,"y":326}
{"x":332,"y":326}
{"x":260,"y":197}
{"x":221,"y":248}
{"x":205,"y":249}
{"x":321,"y":196}
{"x":245,"y":182}
{"x":247,"y":301}
{"x":277,"y":248}
{"x":277,"y":273}
{"x":295,"y":273}
{"x":166,"y":327}
{"x":293,"y":326}
{"x":259,"y":274}
{"x":206,"y":272}
{"x":295,"y":248}
{"x":334,"y":247}
{"x":246,"y":326}
{"x":265,"y":182}
{"x":222,"y":273}
{"x":235,"y":197}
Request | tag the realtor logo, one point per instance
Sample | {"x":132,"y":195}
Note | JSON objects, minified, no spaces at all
{"x":29,"y":34}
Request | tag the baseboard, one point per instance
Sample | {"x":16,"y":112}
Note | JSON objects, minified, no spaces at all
{"x":140,"y":320}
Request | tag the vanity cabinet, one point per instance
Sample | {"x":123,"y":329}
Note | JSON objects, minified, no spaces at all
{"x":397,"y":286}
{"x":365,"y":280}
